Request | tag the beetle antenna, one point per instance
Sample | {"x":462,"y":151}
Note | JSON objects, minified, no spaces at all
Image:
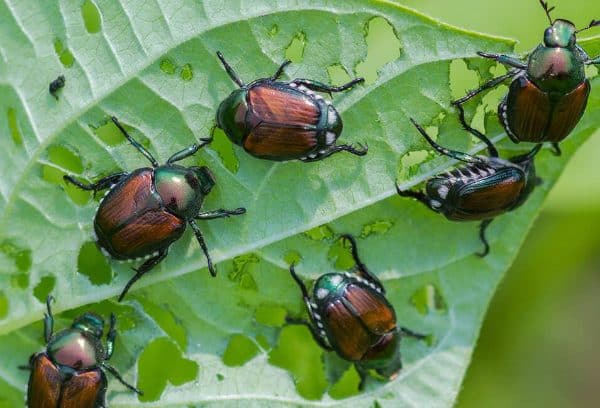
{"x":547,"y":10}
{"x":593,"y":23}
{"x":230,"y":70}
{"x":135,"y":144}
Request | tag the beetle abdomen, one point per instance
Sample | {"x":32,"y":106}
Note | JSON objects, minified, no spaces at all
{"x":143,"y":234}
{"x":530,"y":115}
{"x":44,"y":383}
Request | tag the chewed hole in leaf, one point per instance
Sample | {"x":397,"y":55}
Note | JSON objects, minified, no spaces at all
{"x":20,"y":280}
{"x":292,"y":257}
{"x":65,"y":160}
{"x":320,"y":233}
{"x":91,"y":17}
{"x":109,"y":133}
{"x":462,"y":79}
{"x":13,"y":125}
{"x":93,"y":264}
{"x":187,"y":72}
{"x":241,"y":271}
{"x":429,"y":299}
{"x":167,"y":66}
{"x":273,"y":30}
{"x":297,"y":352}
{"x":166,"y":320}
{"x":377,"y":227}
{"x":44,"y":288}
{"x":20,"y":256}
{"x":383,"y":47}
{"x":161,"y":362}
{"x":347,"y":386}
{"x":225,"y":149}
{"x":339,"y":252}
{"x":338,"y":74}
{"x":4,"y":305}
{"x":239,"y":351}
{"x":295,"y":50}
{"x":65,"y":56}
{"x":408,"y":166}
{"x":270,"y":315}
{"x":591,"y":71}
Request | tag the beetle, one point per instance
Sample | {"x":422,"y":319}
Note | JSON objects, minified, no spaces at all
{"x":349,"y":314}
{"x":145,"y":211}
{"x":482,"y":189}
{"x":70,"y":372}
{"x":279,"y":121}
{"x":56,"y":85}
{"x":548,"y":93}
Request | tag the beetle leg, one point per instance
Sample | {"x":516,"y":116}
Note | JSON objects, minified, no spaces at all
{"x":556,"y":149}
{"x":279,"y":71}
{"x":504,"y":60}
{"x":145,"y":267}
{"x":361,"y":267}
{"x":361,"y":151}
{"x":464,"y":157}
{"x":110,"y":337}
{"x":461,"y":115}
{"x":230,"y":70}
{"x":48,"y":320}
{"x":593,"y":61}
{"x":135,"y":144}
{"x":29,"y":365}
{"x":220,"y":213}
{"x":488,"y":85}
{"x":116,"y":374}
{"x":101,"y":184}
{"x":188,"y":151}
{"x":409,"y":333}
{"x":363,"y":373}
{"x":318,"y":338}
{"x":202,"y":243}
{"x":486,"y":246}
{"x":418,"y":195}
{"x":322,"y":87}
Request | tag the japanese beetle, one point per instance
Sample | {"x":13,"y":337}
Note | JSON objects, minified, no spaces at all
{"x":549,"y":92}
{"x":145,"y":211}
{"x":350,"y":315}
{"x":70,"y":373}
{"x":484,"y":188}
{"x":279,"y":121}
{"x":56,"y":85}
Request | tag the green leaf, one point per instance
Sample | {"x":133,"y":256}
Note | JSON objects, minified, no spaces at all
{"x":153,"y":65}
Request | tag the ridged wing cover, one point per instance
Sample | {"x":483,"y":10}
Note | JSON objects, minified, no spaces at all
{"x":44,"y":383}
{"x":357,"y":320}
{"x":283,"y":122}
{"x":84,"y":390}
{"x":131,"y":221}
{"x":531,"y":115}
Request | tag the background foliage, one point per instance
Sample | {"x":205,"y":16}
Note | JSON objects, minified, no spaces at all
{"x":193,"y":340}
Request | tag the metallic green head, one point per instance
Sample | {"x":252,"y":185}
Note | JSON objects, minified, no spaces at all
{"x":182,"y":189}
{"x":560,"y":34}
{"x":89,"y":323}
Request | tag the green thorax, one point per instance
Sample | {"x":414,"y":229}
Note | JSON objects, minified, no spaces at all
{"x":75,"y":348}
{"x":558,"y":64}
{"x":329,"y":285}
{"x":182,"y":189}
{"x":231,"y":116}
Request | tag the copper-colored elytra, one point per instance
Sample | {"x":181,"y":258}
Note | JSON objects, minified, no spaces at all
{"x":290,"y":107}
{"x":375,"y":311}
{"x":568,"y":112}
{"x":271,"y":140}
{"x":351,"y":338}
{"x":44,"y":383}
{"x":83,"y":390}
{"x":495,"y":198}
{"x":135,"y":195}
{"x":148,"y":232}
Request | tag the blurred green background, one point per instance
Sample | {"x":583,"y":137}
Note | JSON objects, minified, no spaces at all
{"x":538,"y":342}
